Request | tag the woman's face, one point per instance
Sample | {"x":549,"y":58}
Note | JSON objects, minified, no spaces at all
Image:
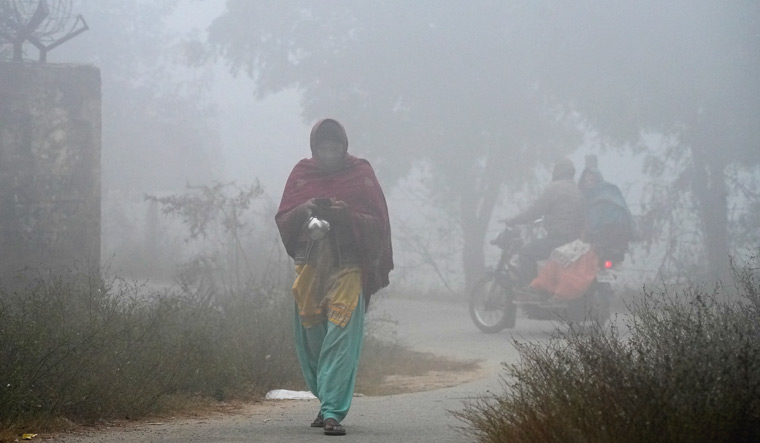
{"x":329,"y":154}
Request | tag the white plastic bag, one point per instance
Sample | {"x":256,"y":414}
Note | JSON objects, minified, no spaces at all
{"x":284,"y":394}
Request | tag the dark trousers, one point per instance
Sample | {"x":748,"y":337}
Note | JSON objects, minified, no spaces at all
{"x":538,"y":249}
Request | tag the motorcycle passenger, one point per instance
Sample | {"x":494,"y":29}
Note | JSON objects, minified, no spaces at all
{"x":562,"y":206}
{"x":609,"y":224}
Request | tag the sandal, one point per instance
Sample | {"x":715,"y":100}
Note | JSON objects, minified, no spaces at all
{"x":332,"y":427}
{"x":318,"y":422}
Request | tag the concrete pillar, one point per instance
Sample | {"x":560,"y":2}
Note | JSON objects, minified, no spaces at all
{"x":50,"y":123}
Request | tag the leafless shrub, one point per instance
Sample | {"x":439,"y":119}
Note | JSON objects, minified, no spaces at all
{"x":87,"y":348}
{"x":687,"y":369}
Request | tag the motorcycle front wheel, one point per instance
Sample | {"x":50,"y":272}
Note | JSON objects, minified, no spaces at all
{"x":492,"y":307}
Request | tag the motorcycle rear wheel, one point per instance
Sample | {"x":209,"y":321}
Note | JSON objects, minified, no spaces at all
{"x":492,"y":307}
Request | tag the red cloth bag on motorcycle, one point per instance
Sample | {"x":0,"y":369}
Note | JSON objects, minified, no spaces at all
{"x":569,"y":271}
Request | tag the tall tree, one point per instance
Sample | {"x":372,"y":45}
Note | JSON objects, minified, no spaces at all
{"x":685,"y":69}
{"x":159,"y":127}
{"x":158,"y":122}
{"x":436,"y":81}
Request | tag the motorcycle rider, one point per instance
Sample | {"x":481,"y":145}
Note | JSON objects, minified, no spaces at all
{"x":562,"y":206}
{"x":609,"y":223}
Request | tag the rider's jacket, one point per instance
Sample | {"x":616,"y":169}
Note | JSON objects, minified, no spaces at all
{"x":563,"y":208}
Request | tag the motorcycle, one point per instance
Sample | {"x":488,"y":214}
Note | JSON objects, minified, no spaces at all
{"x":494,"y":303}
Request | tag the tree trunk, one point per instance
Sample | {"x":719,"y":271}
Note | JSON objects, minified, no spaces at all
{"x":473,"y":232}
{"x":709,"y":186}
{"x":477,"y":200}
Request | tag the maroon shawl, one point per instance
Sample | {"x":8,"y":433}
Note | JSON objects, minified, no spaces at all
{"x":355,"y":183}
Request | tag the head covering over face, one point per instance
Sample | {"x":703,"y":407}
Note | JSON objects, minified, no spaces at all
{"x":609,"y":222}
{"x":591,"y":168}
{"x":328,"y":129}
{"x":563,"y":169}
{"x":354,"y":183}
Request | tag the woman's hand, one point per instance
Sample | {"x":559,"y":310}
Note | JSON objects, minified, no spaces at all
{"x":315,"y":206}
{"x":337,"y":212}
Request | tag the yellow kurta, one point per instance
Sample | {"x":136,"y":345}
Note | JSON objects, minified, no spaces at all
{"x":336,"y":302}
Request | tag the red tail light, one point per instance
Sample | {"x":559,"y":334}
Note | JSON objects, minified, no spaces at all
{"x":608,"y":264}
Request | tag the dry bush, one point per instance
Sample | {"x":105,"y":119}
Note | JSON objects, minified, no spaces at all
{"x":86,"y":348}
{"x":83,"y":348}
{"x":686,"y":369}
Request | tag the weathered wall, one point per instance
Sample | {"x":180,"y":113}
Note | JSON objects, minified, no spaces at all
{"x":49,"y":166}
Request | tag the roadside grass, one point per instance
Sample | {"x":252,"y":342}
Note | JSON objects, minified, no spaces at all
{"x":84,"y":349}
{"x":687,"y":368}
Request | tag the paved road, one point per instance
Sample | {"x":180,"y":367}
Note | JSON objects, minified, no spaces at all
{"x":443,"y":328}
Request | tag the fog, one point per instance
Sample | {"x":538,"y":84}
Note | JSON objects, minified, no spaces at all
{"x":449,"y":101}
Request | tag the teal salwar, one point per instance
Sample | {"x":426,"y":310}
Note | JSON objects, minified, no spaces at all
{"x":329,"y":358}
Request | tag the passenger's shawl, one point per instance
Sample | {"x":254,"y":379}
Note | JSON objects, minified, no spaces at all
{"x":606,"y":206}
{"x":355,"y":183}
